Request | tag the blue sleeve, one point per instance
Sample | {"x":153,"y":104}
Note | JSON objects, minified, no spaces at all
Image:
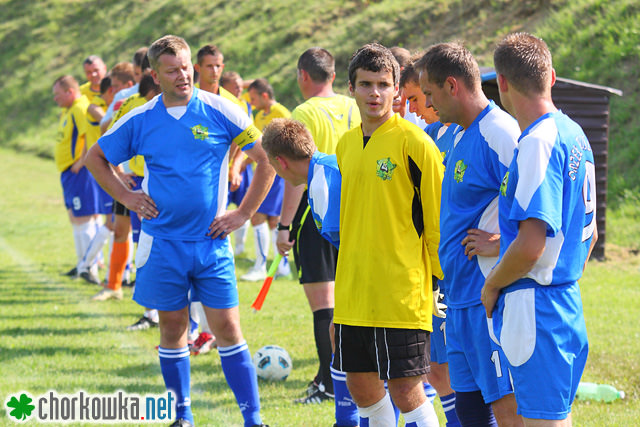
{"x":118,"y":142}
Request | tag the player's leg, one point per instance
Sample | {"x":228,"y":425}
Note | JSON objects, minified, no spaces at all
{"x":119,"y":254}
{"x":214,"y":284}
{"x":261,"y":235}
{"x":162,"y":283}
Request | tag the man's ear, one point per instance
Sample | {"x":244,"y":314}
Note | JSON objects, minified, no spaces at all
{"x":553,"y":76}
{"x":196,"y":67}
{"x":350,"y":89}
{"x":451,"y":84}
{"x":503,"y":84}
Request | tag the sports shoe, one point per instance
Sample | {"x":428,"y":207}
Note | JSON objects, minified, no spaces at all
{"x":90,"y":276}
{"x":106,"y":294}
{"x":181,"y":423}
{"x":255,"y":274}
{"x":71,"y":273}
{"x":317,"y":397}
{"x":142,"y":324}
{"x":203,"y":344}
{"x":128,"y":284}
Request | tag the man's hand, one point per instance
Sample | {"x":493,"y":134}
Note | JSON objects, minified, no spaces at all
{"x":480,"y":242}
{"x":141,"y":203}
{"x":283,"y":243}
{"x":223,"y":225}
{"x":489,"y":296}
{"x":75,"y":168}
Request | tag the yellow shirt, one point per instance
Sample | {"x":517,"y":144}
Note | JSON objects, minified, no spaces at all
{"x":93,"y":130}
{"x":72,"y":129}
{"x":136,"y":164}
{"x":328,"y":119}
{"x":277,"y":110}
{"x":389,"y":229}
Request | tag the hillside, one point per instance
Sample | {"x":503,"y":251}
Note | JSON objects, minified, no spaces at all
{"x":592,"y":40}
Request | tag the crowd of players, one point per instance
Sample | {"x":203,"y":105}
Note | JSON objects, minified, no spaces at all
{"x":437,"y":200}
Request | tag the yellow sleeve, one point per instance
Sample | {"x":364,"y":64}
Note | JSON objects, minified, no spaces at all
{"x":247,"y":136}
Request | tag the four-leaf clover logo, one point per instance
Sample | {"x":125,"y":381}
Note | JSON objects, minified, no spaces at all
{"x":22,"y":407}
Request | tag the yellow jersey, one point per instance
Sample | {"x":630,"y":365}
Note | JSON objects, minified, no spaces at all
{"x":262,"y":119}
{"x":389,"y":227}
{"x":72,"y":130}
{"x":328,"y":118}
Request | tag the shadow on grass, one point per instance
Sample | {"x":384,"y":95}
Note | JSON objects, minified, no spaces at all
{"x":10,"y":353}
{"x":44,"y":331}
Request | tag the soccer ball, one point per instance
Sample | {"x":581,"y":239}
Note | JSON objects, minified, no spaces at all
{"x":272,"y":363}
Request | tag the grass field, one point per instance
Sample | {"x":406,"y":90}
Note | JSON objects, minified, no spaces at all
{"x":54,"y":338}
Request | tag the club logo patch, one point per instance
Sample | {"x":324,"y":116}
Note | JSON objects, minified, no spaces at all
{"x":458,"y":173}
{"x":200,"y":132}
{"x":503,"y":185}
{"x":384,"y":169}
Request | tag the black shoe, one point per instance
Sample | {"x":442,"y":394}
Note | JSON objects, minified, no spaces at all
{"x":181,"y":423}
{"x":261,"y":425}
{"x":312,"y":387}
{"x":71,"y":273}
{"x":127,"y":284}
{"x":317,"y":397}
{"x":142,"y":324}
{"x":89,"y":277}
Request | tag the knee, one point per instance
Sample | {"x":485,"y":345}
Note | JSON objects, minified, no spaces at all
{"x":439,"y":379}
{"x":505,"y":411}
{"x":173,"y":327}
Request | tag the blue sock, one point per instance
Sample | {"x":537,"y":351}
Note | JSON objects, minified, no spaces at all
{"x":449,"y":408}
{"x":176,"y":371}
{"x":473,"y":411}
{"x":430,"y":392}
{"x":241,"y":377}
{"x":346,"y":409}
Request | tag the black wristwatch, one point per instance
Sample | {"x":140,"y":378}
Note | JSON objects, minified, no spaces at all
{"x":284,"y":227}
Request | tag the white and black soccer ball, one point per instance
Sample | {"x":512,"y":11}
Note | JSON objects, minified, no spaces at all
{"x":272,"y":363}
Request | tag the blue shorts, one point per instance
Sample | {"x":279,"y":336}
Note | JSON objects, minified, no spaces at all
{"x":543,"y":334}
{"x":475,"y":361}
{"x":272,"y":203}
{"x":167,"y":269}
{"x":438,"y":341}
{"x":236,"y":197}
{"x":81,"y":192}
{"x":135,"y":219}
{"x":105,"y":201}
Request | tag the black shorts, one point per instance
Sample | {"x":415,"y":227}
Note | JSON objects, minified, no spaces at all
{"x":315,"y":257}
{"x":120,"y":209}
{"x":392,"y":352}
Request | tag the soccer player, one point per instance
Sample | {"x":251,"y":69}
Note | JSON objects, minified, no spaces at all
{"x":95,"y":70}
{"x":443,"y":137}
{"x":389,"y":233}
{"x":328,"y":116}
{"x":78,"y":186}
{"x":264,"y":222}
{"x":400,"y":103}
{"x":548,"y":229}
{"x":474,"y":166}
{"x":185,"y":135}
{"x":294,"y":156}
{"x":233,"y":83}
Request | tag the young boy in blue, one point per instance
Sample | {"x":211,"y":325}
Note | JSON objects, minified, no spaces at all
{"x":294,"y":156}
{"x":185,"y":135}
{"x":548,"y":226}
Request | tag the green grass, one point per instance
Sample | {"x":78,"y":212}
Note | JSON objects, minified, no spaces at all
{"x":595,"y":41}
{"x":55,"y":338}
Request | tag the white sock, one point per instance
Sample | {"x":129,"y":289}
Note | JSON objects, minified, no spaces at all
{"x":261,"y":234}
{"x":380,"y":414}
{"x":82,"y":235}
{"x":198,"y":309}
{"x":240,"y":236}
{"x":96,"y":245}
{"x":423,"y":416}
{"x":152,"y":314}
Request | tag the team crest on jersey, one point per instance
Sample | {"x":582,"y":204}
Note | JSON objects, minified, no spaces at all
{"x":458,"y":173}
{"x":200,"y":132}
{"x":385,"y":169}
{"x":503,"y":185}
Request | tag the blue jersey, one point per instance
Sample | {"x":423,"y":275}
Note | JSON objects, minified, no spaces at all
{"x":474,"y":168}
{"x":443,"y":135}
{"x":558,"y":186}
{"x":324,"y":182}
{"x":186,"y":152}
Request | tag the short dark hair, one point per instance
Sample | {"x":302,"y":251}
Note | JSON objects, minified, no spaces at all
{"x":409,"y":73}
{"x":318,"y":63}
{"x":228,"y":76}
{"x":288,"y":137}
{"x":262,"y":86}
{"x":105,"y":84}
{"x":373,"y":57}
{"x":139,"y":56}
{"x":208,"y":49}
{"x":402,"y":55}
{"x":91,"y":59}
{"x":67,"y":82}
{"x":123,"y":71}
{"x":147,"y":84}
{"x":525,"y":61}
{"x":450,"y":60}
{"x":168,"y":44}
